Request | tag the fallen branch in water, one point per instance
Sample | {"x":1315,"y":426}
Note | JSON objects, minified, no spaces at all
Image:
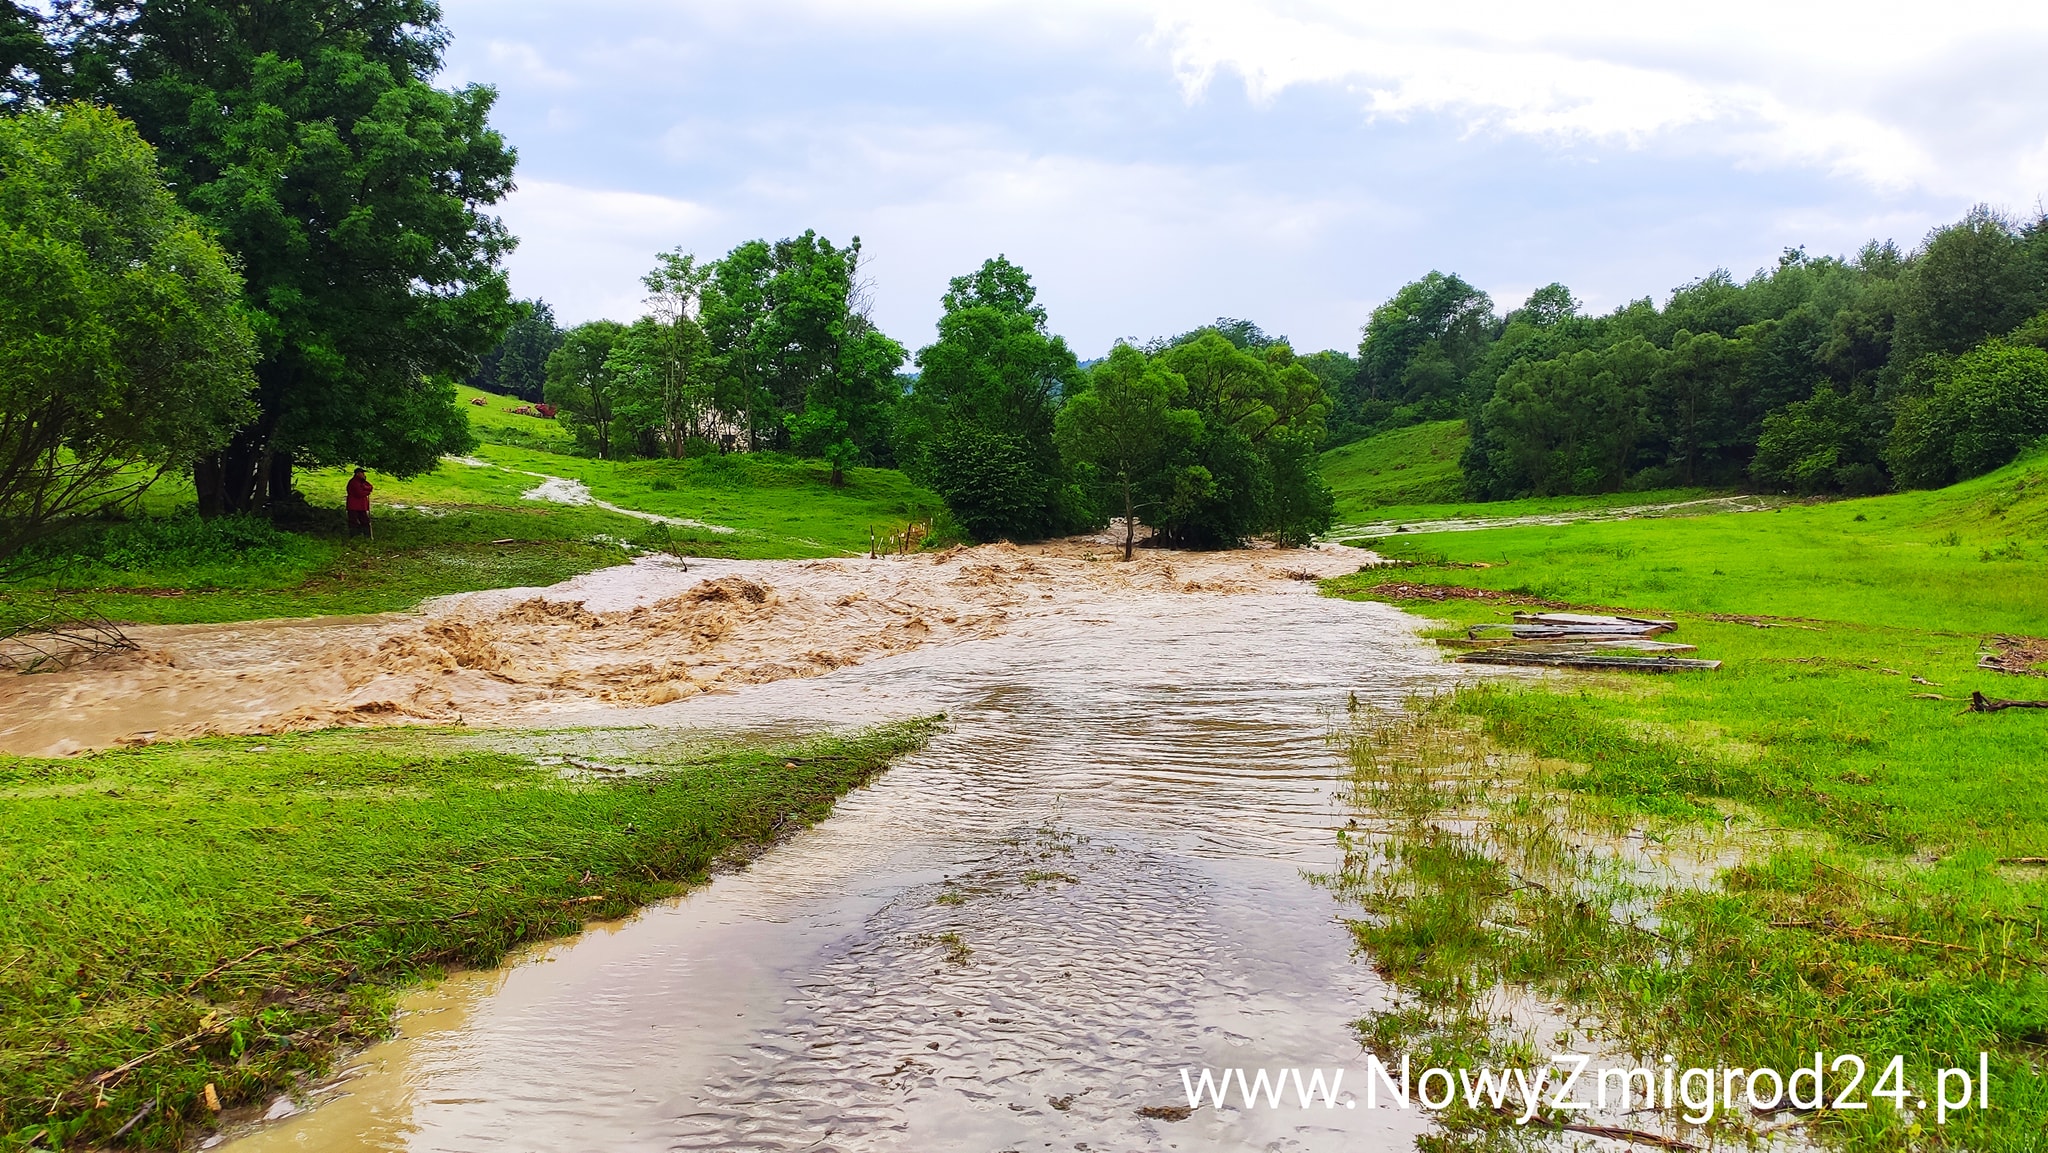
{"x":1611,"y":1132}
{"x":1617,"y":1133}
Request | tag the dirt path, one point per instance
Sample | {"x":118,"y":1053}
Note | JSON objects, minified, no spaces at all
{"x":1702,"y":507}
{"x":642,"y":634}
{"x":563,"y":490}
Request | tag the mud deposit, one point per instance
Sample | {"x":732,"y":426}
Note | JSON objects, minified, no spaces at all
{"x":1016,"y":939}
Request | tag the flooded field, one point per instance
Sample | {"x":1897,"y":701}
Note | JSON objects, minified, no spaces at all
{"x":1017,"y":939}
{"x":1094,"y":879}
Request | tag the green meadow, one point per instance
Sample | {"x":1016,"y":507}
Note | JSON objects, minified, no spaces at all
{"x":1889,"y":897}
{"x":234,"y":913}
{"x":1411,"y":475}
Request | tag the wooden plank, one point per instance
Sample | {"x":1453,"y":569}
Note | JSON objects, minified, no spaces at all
{"x":1587,"y":661}
{"x":1590,"y":619}
{"x":1576,"y":644}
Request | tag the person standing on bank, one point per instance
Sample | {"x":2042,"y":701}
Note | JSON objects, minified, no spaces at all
{"x":359,"y":489}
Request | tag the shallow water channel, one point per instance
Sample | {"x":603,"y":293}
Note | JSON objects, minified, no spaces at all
{"x":1015,"y":939}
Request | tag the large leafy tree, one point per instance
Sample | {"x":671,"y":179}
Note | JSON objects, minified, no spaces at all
{"x":1262,"y":418}
{"x":734,"y":314}
{"x":979,"y":421}
{"x":25,"y":55}
{"x":584,"y":385}
{"x":353,"y":192}
{"x":1418,"y":348}
{"x":123,"y":348}
{"x":1569,"y":424}
{"x":1129,"y":428}
{"x":1970,"y":415}
{"x":1973,"y":280}
{"x":662,"y":361}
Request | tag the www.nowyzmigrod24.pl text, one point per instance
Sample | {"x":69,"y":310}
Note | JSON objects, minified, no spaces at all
{"x":1573,"y":1082}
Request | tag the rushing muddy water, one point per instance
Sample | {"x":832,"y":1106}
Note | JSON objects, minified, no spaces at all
{"x":1016,"y":939}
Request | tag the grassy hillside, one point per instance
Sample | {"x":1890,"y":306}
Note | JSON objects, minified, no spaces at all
{"x":1883,"y":904}
{"x":1411,"y":475}
{"x":466,"y":525}
{"x":496,"y":423}
{"x":1408,"y":466}
{"x":1969,"y":558}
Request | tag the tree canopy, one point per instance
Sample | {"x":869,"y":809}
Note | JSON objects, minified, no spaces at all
{"x":308,"y":136}
{"x":123,"y":346}
{"x":978,"y":424}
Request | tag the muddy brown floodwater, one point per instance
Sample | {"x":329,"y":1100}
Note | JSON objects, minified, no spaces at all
{"x":1017,"y":939}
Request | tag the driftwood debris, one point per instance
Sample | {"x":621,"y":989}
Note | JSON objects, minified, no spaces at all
{"x":1979,"y":703}
{"x":1580,"y":641}
{"x":64,"y":636}
{"x":1590,"y":644}
{"x":2019,"y":656}
{"x":1579,"y":660}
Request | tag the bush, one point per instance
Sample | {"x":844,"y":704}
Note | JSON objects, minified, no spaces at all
{"x":989,"y":481}
{"x":171,"y":545}
{"x":1970,"y":416}
{"x":1819,"y":445}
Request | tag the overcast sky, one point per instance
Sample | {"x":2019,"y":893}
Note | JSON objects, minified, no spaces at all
{"x":1157,"y":165}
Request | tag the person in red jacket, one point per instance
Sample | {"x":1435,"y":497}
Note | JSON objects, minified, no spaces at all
{"x":359,"y":489}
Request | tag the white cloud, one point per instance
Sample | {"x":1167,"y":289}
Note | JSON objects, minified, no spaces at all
{"x":585,"y":249}
{"x":1851,"y":89}
{"x":1105,"y":145}
{"x":526,"y":62}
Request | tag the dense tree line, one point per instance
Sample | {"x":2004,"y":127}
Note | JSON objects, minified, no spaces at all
{"x":1209,"y":437}
{"x":1819,"y":375}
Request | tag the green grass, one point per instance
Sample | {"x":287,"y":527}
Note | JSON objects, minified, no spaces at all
{"x":237,"y":911}
{"x":1411,"y":475}
{"x":495,"y":423}
{"x":1408,"y":466}
{"x":779,"y":506}
{"x":1969,"y":558}
{"x":458,"y":528}
{"x":1881,"y":920}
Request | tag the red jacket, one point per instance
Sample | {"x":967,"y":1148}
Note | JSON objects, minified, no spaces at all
{"x":359,"y":490}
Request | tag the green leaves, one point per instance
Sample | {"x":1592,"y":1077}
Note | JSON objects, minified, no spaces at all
{"x":352,"y":192}
{"x":123,"y":347}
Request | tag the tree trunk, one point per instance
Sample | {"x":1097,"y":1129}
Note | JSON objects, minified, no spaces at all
{"x":279,"y":485}
{"x":1130,"y":521}
{"x":232,"y":480}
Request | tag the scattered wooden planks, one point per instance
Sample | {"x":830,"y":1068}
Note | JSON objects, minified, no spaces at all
{"x":1582,"y":641}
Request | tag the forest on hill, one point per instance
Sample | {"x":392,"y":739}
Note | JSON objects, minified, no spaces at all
{"x":1891,"y":368}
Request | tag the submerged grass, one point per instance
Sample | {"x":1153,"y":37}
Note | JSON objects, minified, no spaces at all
{"x":1521,"y":915}
{"x":234,"y":912}
{"x":1874,"y":898}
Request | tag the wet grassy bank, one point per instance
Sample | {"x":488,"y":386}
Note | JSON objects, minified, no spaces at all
{"x":233,"y":913}
{"x":1866,"y":873}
